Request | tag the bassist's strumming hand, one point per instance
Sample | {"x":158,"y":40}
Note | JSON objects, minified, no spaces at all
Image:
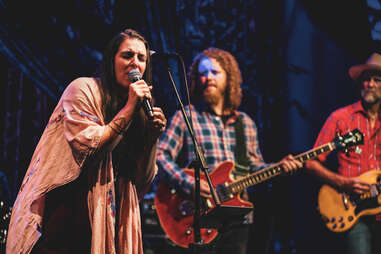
{"x":353,"y":184}
{"x":204,"y":189}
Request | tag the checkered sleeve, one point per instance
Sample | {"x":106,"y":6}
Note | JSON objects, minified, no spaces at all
{"x":253,"y":150}
{"x":170,"y":146}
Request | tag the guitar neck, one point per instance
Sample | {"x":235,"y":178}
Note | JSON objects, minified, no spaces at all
{"x":267,"y":173}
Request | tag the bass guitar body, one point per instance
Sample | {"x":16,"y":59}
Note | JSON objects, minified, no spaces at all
{"x":175,"y":210}
{"x":340,"y":211}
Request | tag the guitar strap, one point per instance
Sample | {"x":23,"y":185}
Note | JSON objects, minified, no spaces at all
{"x":241,"y":161}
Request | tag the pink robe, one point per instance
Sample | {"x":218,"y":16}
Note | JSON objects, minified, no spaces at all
{"x":69,"y":139}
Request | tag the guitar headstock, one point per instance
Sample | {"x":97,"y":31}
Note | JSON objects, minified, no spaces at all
{"x":352,"y":138}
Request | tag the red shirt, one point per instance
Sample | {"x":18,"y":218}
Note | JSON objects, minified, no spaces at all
{"x":360,"y":158}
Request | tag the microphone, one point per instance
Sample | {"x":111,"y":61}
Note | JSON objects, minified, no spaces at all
{"x":165,"y":55}
{"x":134,"y":76}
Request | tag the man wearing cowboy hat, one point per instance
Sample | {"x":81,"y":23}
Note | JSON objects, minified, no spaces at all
{"x":363,"y":115}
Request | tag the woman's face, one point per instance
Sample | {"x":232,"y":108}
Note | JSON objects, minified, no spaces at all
{"x":132,"y":54}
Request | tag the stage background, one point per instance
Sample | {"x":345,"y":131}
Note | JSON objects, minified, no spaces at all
{"x":294,"y":56}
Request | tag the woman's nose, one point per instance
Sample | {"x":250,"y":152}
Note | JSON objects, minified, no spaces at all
{"x":134,"y":59}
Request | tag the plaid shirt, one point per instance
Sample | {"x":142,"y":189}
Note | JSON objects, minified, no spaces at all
{"x":362,"y":157}
{"x":218,"y":141}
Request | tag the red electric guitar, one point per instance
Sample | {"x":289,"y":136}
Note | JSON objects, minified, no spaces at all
{"x":175,"y":211}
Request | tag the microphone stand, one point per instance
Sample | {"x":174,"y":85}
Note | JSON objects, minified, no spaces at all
{"x":199,"y":163}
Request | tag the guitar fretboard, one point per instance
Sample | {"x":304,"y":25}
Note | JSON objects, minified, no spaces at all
{"x":267,"y":173}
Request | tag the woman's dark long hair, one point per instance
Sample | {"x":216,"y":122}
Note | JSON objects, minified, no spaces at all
{"x":112,"y":102}
{"x":131,"y":146}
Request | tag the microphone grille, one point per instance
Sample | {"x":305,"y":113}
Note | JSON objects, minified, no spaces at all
{"x":134,"y":75}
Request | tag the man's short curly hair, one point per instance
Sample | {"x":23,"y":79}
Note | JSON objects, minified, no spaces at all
{"x":233,"y":96}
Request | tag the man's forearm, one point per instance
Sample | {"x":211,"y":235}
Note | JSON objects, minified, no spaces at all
{"x":324,"y":173}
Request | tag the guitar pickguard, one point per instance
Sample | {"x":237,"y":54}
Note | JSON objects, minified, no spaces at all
{"x":370,"y":203}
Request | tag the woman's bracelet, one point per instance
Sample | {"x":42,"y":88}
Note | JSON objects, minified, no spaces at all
{"x":116,"y":131}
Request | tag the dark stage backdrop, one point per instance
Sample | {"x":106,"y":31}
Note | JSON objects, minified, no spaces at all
{"x":294,"y":57}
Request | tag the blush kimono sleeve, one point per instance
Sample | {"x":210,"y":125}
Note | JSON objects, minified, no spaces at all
{"x":70,"y":137}
{"x":83,"y":124}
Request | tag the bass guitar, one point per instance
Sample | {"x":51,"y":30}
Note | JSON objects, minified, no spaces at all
{"x":175,"y":210}
{"x":340,"y":211}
